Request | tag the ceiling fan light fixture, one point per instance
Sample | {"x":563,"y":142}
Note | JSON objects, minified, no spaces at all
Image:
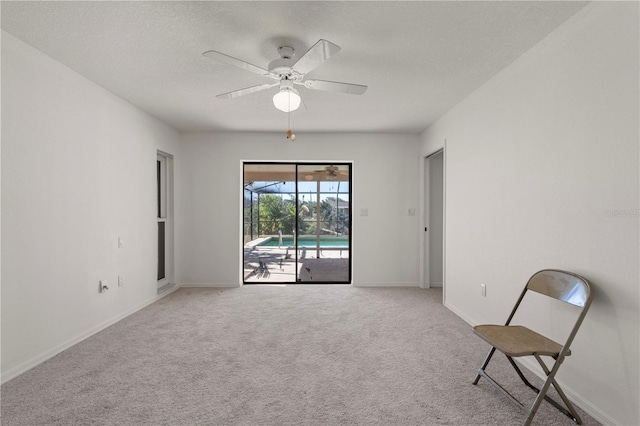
{"x":287,"y":99}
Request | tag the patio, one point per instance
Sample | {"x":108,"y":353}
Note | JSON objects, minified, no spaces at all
{"x":278,"y":265}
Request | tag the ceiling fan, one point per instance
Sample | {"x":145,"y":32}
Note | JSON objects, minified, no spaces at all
{"x":287,"y":72}
{"x":332,"y":172}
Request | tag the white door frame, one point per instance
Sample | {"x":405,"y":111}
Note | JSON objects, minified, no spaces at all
{"x":424,"y":224}
{"x":424,"y":239}
{"x":242,"y":163}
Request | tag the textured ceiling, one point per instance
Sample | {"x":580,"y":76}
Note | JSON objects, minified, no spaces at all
{"x":418,"y":58}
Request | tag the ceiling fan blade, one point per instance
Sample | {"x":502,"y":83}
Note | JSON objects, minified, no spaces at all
{"x":334,"y":86}
{"x":317,"y":54}
{"x":246,"y":91}
{"x":230,"y":60}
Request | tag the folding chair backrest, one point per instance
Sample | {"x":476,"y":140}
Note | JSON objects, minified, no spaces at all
{"x":561,"y":285}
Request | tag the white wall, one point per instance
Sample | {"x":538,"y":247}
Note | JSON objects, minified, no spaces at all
{"x":542,"y":170}
{"x":385,"y":181}
{"x":78,"y":171}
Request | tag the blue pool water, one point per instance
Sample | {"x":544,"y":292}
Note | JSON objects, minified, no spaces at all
{"x":307,"y":242}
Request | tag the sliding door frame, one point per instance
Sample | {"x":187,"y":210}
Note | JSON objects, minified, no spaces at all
{"x":298,"y":164}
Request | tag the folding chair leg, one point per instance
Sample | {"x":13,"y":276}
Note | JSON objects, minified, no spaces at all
{"x":570,"y":411}
{"x":521,"y":375}
{"x":537,"y":402}
{"x":483,"y":373}
{"x":484,"y":365}
{"x":542,"y":395}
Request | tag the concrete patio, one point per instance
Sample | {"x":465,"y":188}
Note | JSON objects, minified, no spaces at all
{"x":278,"y":264}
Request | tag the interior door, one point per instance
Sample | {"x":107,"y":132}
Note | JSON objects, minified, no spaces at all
{"x":434,"y":220}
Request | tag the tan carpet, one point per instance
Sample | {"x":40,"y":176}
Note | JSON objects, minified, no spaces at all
{"x":275,"y":355}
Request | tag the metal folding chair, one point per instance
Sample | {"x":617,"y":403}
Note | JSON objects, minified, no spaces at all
{"x":517,"y":341}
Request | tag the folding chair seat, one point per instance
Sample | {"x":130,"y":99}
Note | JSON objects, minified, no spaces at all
{"x":518,"y":341}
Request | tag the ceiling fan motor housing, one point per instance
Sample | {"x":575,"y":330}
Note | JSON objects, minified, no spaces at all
{"x":287,"y":84}
{"x":286,"y":52}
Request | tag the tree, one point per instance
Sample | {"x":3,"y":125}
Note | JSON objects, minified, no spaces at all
{"x":272,"y":213}
{"x":288,"y":220}
{"x":333,"y":217}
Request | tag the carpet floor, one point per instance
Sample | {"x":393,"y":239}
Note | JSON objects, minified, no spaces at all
{"x":276,"y":355}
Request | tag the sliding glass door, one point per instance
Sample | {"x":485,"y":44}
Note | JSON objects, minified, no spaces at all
{"x":324,"y":226}
{"x":297,"y":223}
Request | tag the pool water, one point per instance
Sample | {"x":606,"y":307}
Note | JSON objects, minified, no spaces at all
{"x":307,"y":242}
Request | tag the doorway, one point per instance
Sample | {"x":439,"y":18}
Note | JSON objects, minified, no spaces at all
{"x":433,"y":209}
{"x":296,"y":223}
{"x":165,"y":226}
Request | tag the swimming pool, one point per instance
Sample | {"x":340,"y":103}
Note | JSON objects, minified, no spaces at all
{"x":307,"y":241}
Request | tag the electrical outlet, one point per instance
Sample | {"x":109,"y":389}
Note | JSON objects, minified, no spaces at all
{"x":483,"y":290}
{"x":120,"y":281}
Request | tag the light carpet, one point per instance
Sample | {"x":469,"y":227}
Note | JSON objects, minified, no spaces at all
{"x":276,"y":355}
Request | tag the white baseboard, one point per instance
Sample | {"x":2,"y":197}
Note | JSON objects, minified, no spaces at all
{"x":39,"y":359}
{"x":212,"y":285}
{"x":460,"y":314}
{"x":385,"y":284}
{"x":573,"y":396}
{"x":226,"y":285}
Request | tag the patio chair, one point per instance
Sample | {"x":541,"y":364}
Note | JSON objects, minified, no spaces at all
{"x":518,"y":341}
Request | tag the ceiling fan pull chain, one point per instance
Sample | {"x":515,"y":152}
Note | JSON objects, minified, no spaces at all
{"x":290,"y":134}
